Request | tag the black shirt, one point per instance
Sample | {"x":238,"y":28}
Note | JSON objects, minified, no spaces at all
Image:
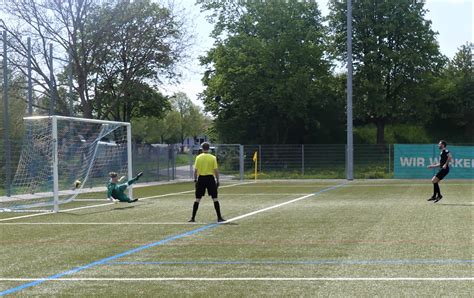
{"x":443,"y":157}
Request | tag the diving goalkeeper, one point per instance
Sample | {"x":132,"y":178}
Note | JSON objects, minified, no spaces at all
{"x":116,"y":191}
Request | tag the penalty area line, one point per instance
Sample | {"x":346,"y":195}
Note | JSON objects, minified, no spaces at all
{"x":248,"y":279}
{"x":99,"y":223}
{"x":103,"y":261}
{"x":108,"y":204}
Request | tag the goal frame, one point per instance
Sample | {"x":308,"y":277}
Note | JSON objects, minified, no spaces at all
{"x":55,"y":162}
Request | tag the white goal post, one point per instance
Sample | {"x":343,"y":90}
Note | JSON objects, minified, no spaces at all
{"x":65,"y":157}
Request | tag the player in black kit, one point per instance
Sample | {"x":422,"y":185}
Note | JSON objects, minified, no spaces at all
{"x":444,"y":159}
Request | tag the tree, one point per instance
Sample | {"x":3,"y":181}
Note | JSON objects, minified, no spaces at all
{"x":16,"y":108}
{"x":16,"y":112}
{"x":454,"y":98}
{"x":145,"y":40}
{"x":268,"y":77}
{"x":184,"y":119}
{"x":62,"y":23}
{"x":118,"y":48}
{"x":187,"y":116}
{"x":395,"y":56}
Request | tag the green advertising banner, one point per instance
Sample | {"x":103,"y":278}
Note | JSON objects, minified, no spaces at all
{"x":410,"y":161}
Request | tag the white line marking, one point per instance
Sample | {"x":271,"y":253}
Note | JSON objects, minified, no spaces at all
{"x":107,"y":204}
{"x":250,"y":279}
{"x":286,"y":203}
{"x":100,"y":223}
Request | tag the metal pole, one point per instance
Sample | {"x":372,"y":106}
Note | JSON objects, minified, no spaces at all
{"x":158,"y":164}
{"x":30,"y":82}
{"x":129,"y":159}
{"x":71,"y":100}
{"x":241,"y":162}
{"x":389,"y":159}
{"x":302,"y":159}
{"x":260,"y":158}
{"x":350,"y":144}
{"x":173,"y":177}
{"x":52,"y":102}
{"x":6,"y":120}
{"x":169,"y":161}
{"x":55,"y":163}
{"x":191,"y":174}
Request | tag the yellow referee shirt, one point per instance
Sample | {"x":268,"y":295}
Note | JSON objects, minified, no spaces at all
{"x":205,"y":164}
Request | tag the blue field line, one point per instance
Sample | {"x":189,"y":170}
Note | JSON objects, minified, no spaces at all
{"x":103,"y":261}
{"x":301,"y":262}
{"x":129,"y":252}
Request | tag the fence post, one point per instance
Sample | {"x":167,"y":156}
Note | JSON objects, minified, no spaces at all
{"x":158,"y":163}
{"x":6,"y":121}
{"x":173,"y":156}
{"x":191,"y":175}
{"x":169,"y":161}
{"x":389,"y":159}
{"x":302,"y":159}
{"x":241,"y":162}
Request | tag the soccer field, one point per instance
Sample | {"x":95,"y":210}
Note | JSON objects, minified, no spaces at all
{"x":283,"y":238}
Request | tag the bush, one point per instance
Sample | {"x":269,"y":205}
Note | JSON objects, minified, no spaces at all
{"x":394,"y":134}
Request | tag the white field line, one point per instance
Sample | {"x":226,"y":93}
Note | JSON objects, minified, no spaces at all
{"x":286,"y":203}
{"x":98,"y":223}
{"x":249,"y":279}
{"x":107,"y":204}
{"x":428,"y":183}
{"x":255,"y":278}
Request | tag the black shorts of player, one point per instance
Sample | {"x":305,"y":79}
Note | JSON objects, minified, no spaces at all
{"x":442,"y":173}
{"x":206,"y":182}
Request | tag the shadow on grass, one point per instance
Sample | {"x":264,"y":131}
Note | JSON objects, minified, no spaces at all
{"x":454,"y":204}
{"x":99,"y":211}
{"x":229,"y":224}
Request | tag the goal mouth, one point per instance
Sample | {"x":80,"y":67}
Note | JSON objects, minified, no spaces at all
{"x":63,"y":157}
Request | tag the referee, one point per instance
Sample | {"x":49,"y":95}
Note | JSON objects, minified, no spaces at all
{"x":205,"y":169}
{"x":444,"y":158}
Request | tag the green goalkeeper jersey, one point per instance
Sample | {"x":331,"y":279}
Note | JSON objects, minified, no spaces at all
{"x":117,"y":191}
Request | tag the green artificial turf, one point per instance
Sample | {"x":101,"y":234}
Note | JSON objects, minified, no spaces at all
{"x":370,"y":229}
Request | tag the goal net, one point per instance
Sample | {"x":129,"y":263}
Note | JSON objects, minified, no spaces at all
{"x":63,"y":157}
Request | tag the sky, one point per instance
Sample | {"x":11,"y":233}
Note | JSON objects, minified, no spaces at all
{"x":452,"y":19}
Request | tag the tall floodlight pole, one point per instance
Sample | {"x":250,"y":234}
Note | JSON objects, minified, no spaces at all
{"x":6,"y":120}
{"x":30,"y":84}
{"x":52,"y":101}
{"x":350,"y":144}
{"x":71,"y":100}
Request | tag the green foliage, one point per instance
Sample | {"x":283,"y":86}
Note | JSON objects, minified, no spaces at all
{"x":183,"y":119}
{"x":142,"y":39}
{"x":394,"y":133}
{"x":268,"y":80}
{"x":16,"y":107}
{"x":395,"y":55}
{"x":120,"y":52}
{"x":453,"y":92}
{"x":16,"y":112}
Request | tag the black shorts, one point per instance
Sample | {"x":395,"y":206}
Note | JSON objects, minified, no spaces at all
{"x":206,"y":182}
{"x":442,"y":173}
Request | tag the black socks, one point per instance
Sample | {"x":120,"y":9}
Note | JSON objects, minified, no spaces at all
{"x":436,"y":189}
{"x":217,"y":206}
{"x":195,"y":209}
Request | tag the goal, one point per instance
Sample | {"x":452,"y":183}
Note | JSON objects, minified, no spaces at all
{"x":66,"y":157}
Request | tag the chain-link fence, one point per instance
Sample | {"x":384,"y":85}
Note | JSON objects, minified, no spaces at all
{"x":317,"y":161}
{"x":168,"y":162}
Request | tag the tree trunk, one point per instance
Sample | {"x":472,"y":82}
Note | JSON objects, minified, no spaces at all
{"x":380,"y":131}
